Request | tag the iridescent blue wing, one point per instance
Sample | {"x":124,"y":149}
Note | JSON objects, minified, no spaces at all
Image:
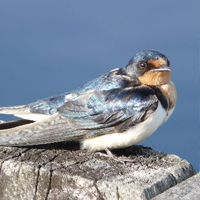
{"x":49,"y":105}
{"x":114,"y":108}
{"x":39,"y":110}
{"x":115,"y":79}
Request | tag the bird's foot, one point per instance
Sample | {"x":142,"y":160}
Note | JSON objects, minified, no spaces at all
{"x":109,"y":154}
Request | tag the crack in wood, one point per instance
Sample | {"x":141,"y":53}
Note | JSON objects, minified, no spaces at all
{"x":98,"y":191}
{"x":37,"y":181}
{"x":49,"y":186}
{"x":117,"y":191}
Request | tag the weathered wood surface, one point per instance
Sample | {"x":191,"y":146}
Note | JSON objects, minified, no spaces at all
{"x":186,"y":190}
{"x":61,"y":171}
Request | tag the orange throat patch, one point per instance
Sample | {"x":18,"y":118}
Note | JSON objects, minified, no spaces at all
{"x":155,"y":78}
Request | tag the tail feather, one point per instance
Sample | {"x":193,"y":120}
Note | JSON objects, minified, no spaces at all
{"x":54,"y":129}
{"x":13,"y":110}
{"x":23,"y":111}
{"x":12,"y":124}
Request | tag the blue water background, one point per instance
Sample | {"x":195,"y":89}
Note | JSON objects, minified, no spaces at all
{"x":50,"y":47}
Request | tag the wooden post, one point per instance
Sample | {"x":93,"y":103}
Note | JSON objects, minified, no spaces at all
{"x":62,"y":171}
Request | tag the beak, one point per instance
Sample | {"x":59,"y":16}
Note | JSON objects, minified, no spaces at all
{"x":163,"y":68}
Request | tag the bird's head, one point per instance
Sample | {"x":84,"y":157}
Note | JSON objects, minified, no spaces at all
{"x":150,"y":67}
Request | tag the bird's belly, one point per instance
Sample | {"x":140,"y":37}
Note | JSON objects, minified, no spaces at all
{"x":134,"y":135}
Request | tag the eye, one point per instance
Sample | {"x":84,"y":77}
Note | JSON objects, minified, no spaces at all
{"x":143,"y":64}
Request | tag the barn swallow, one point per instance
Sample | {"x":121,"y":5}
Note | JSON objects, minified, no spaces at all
{"x":118,"y":109}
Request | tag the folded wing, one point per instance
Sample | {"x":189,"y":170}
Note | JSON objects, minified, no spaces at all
{"x":89,"y":114}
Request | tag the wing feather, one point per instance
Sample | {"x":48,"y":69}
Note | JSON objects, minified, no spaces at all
{"x":103,"y":109}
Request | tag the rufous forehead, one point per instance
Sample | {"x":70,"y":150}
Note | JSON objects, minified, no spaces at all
{"x":157,"y":63}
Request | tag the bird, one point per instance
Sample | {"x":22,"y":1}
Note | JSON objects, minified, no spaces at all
{"x":118,"y":109}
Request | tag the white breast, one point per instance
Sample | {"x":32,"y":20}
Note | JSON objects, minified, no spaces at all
{"x":127,"y":138}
